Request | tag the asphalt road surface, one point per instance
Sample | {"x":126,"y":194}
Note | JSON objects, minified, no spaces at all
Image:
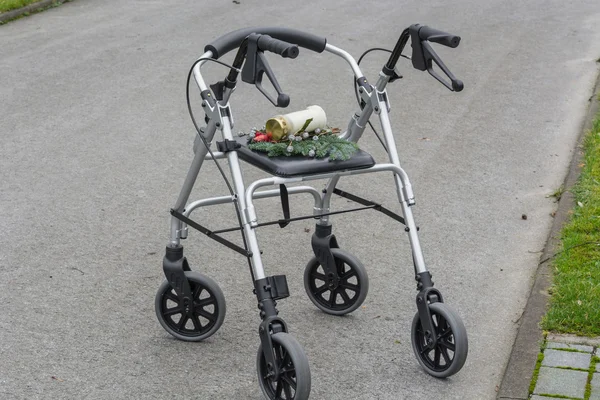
{"x":95,"y":143}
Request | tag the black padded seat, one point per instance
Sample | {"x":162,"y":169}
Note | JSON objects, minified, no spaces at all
{"x":298,"y":165}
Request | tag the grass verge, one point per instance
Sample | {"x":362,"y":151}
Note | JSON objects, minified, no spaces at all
{"x":7,"y":5}
{"x":575,"y":300}
{"x":24,"y":8}
{"x":538,"y":365}
{"x":588,"y":385}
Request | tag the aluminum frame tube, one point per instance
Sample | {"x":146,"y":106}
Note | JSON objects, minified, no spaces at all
{"x":346,"y":56}
{"x":211,"y":201}
{"x":188,"y":184}
{"x":251,"y":215}
{"x":406,"y":203}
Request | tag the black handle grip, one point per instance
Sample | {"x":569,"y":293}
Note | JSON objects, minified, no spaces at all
{"x":437,"y":36}
{"x":284,"y":49}
{"x":232,"y":40}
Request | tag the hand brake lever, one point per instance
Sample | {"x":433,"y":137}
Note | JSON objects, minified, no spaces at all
{"x":429,"y":55}
{"x":255,"y":68}
{"x":423,"y":55}
{"x":262,"y":68}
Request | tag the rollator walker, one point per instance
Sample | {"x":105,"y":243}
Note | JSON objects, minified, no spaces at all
{"x":191,"y":306}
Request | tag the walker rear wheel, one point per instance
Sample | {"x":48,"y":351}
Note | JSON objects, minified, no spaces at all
{"x":350,"y":291}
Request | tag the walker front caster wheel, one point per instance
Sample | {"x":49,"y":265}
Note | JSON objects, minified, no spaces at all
{"x":294,"y":373}
{"x":201,"y":320}
{"x":350,"y":291}
{"x":450,"y":352}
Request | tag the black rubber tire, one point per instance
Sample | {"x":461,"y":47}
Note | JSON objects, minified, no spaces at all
{"x":316,"y":293}
{"x":452,"y":345}
{"x":206,"y":293}
{"x":291,"y":358}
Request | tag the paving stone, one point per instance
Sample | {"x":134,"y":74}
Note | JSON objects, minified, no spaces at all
{"x":559,"y":358}
{"x":534,"y":397}
{"x":595,"y":386}
{"x":558,"y":345}
{"x":598,"y":367}
{"x":563,"y":382}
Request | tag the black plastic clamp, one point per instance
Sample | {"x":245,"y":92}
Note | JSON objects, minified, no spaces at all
{"x":268,"y":290}
{"x":268,"y":327}
{"x":322,"y":242}
{"x":426,"y":296}
{"x":174,"y":267}
{"x":228,"y":145}
{"x":218,"y":89}
{"x":272,"y":287}
{"x":424,"y":280}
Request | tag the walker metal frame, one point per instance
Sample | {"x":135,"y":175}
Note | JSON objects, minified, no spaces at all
{"x":374,"y":99}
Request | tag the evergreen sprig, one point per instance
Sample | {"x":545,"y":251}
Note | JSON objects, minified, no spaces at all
{"x":327,"y":145}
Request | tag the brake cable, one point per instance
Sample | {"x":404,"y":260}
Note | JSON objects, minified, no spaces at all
{"x":355,"y":85}
{"x":207,"y":145}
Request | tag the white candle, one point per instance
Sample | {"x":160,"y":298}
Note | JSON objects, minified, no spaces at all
{"x":283,"y":125}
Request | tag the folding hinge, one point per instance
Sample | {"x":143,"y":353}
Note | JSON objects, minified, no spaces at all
{"x":214,"y":110}
{"x":380,"y":97}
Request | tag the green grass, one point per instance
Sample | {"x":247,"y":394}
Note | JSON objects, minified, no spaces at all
{"x":572,"y":350}
{"x":575,"y":299}
{"x":7,"y":5}
{"x":558,"y":193}
{"x":536,"y":371}
{"x":588,"y":385}
{"x":573,"y":369}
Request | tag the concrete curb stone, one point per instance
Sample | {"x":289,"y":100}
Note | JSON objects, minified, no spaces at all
{"x":558,"y":358}
{"x":568,"y":346}
{"x":567,"y":339}
{"x":595,"y":395}
{"x":562,"y":382}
